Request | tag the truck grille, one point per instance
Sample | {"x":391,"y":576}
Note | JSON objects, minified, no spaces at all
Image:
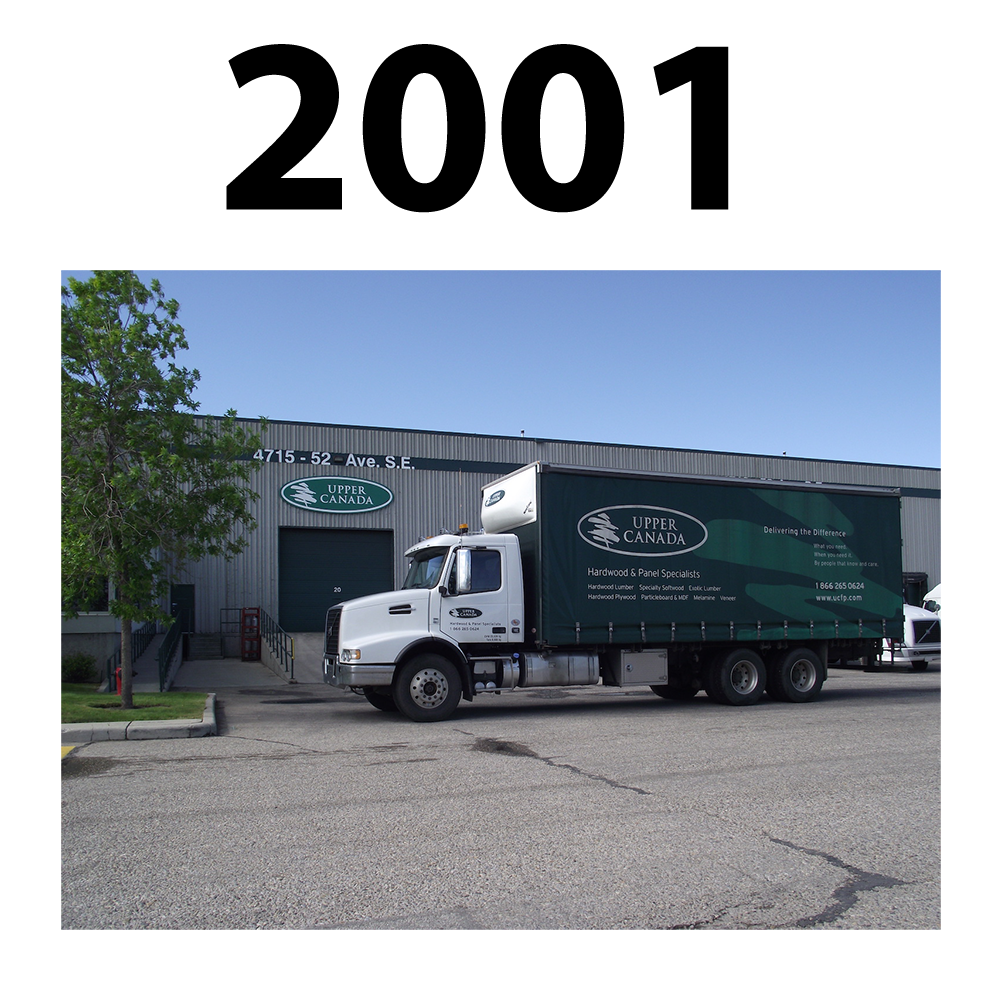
{"x":332,"y":645}
{"x":929,"y":632}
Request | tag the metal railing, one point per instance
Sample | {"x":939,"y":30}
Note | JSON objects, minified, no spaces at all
{"x":280,"y":643}
{"x":165,"y":654}
{"x":141,"y":638}
{"x":229,"y":627}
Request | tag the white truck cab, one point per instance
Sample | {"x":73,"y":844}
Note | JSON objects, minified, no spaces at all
{"x":921,"y":639}
{"x":462,"y":602}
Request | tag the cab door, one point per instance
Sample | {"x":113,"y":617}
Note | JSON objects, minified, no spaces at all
{"x":475,"y":607}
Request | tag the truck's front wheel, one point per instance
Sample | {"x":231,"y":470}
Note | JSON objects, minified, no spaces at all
{"x":428,"y":688}
{"x":380,"y":697}
{"x":736,"y":678}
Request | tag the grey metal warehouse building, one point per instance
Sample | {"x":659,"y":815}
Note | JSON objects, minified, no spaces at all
{"x":340,"y":504}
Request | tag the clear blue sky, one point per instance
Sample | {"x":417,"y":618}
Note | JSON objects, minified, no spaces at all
{"x":817,"y":364}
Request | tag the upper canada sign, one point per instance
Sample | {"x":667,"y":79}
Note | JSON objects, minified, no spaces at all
{"x":643,"y":531}
{"x":336,"y":494}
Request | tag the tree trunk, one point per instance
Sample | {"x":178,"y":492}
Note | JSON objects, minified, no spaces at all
{"x":126,"y":666}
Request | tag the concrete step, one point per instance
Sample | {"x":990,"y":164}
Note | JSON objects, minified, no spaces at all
{"x":204,"y":646}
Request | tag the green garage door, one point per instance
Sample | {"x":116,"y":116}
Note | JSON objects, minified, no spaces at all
{"x":320,"y":567}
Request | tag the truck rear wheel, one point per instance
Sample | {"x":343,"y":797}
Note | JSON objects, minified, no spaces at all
{"x":795,"y":675}
{"x":736,"y":678}
{"x":428,"y":688}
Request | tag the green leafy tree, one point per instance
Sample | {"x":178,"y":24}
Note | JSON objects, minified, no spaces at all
{"x":147,"y":485}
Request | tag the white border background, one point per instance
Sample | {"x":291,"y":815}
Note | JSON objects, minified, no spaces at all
{"x":834,"y":164}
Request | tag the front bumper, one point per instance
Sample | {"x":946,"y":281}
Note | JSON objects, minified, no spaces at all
{"x":907,"y":654}
{"x":349,"y":675}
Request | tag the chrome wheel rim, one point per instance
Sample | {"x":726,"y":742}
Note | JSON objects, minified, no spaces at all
{"x":744,"y":677}
{"x":803,"y":675}
{"x":429,"y":688}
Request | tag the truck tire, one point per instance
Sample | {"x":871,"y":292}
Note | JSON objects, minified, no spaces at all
{"x":918,"y":665}
{"x":381,"y":698}
{"x":736,"y":678}
{"x":795,"y":675}
{"x":427,"y":688}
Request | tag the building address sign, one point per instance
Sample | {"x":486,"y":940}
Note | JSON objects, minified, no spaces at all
{"x":346,"y":459}
{"x":291,"y":456}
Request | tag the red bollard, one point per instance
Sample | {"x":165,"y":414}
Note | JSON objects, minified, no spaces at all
{"x":118,"y":679}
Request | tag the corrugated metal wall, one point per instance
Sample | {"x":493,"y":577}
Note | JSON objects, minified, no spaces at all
{"x":428,"y":500}
{"x":921,"y":523}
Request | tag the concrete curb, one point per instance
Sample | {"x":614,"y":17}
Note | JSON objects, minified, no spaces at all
{"x":165,"y":729}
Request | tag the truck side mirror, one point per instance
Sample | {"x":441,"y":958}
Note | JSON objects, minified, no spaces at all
{"x":463,"y":571}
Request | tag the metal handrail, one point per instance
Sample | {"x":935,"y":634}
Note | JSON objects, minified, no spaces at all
{"x":281,"y":644}
{"x":230,"y":625}
{"x":166,"y":651}
{"x":141,"y":638}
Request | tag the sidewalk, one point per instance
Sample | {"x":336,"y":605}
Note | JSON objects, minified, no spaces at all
{"x":210,"y":676}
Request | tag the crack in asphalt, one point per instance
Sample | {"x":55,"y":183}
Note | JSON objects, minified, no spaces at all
{"x":844,"y":897}
{"x":508,"y":748}
{"x":848,"y":894}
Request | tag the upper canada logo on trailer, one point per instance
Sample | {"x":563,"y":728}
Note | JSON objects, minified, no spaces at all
{"x":645,"y":532}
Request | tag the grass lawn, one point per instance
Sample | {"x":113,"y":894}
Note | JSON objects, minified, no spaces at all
{"x":81,"y":703}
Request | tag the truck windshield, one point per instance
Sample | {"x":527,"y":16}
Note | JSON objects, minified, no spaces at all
{"x":425,"y":569}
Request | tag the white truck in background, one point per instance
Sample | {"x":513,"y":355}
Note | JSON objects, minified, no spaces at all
{"x":921,"y":639}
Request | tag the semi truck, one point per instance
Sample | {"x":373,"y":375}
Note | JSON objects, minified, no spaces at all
{"x":682,"y":584}
{"x":921,"y":640}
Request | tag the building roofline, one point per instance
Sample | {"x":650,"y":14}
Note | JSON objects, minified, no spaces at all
{"x":596,"y":444}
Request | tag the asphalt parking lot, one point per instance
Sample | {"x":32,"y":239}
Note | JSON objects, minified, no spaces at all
{"x":578,"y":808}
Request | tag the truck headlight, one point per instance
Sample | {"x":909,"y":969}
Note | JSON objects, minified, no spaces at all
{"x":347,"y":655}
